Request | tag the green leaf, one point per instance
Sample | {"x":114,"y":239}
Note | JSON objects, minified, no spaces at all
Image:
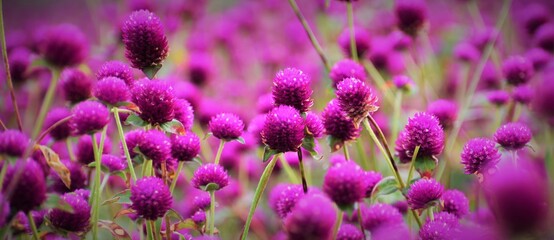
{"x":268,"y":152}
{"x":240,"y":140}
{"x":102,"y":167}
{"x":197,"y":160}
{"x":425,"y":166}
{"x":117,"y":231}
{"x":173,"y":126}
{"x":186,"y":224}
{"x":135,"y":120}
{"x":122,"y":197}
{"x":207,"y":135}
{"x":56,"y":201}
{"x":384,"y":187}
{"x":172,"y":213}
{"x":334,"y":143}
{"x":151,"y":71}
{"x":211,"y":187}
{"x":309,"y":145}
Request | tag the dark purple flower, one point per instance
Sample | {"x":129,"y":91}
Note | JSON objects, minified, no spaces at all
{"x":542,"y":100}
{"x":200,"y":68}
{"x":424,"y":130}
{"x":29,"y":191}
{"x":84,"y":151}
{"x":517,"y":70}
{"x":155,"y":100}
{"x":398,"y":231}
{"x":226,"y":126}
{"x":361,"y":39}
{"x":544,"y":37}
{"x":337,"y":123}
{"x":155,"y":145}
{"x":199,"y":217}
{"x":202,"y":201}
{"x":356,"y":99}
{"x":344,"y":184}
{"x":410,"y":15}
{"x":19,"y":61}
{"x":445,"y":110}
{"x":455,"y":202}
{"x":349,"y":232}
{"x":314,"y":124}
{"x":439,"y":228}
{"x":89,"y":117}
{"x":145,"y":42}
{"x":424,"y":192}
{"x":513,"y":136}
{"x":371,"y":179}
{"x":75,"y":221}
{"x":312,"y":218}
{"x":116,"y":69}
{"x":291,"y":87}
{"x":283,"y":130}
{"x":467,"y":53}
{"x":346,"y":68}
{"x":13,"y":143}
{"x":78,"y":178}
{"x":84,"y":193}
{"x":151,"y":198}
{"x":185,"y":147}
{"x":539,"y":57}
{"x":210,"y":173}
{"x":76,"y":85}
{"x":132,"y":138}
{"x":403,"y":82}
{"x":64,"y":45}
{"x":184,"y":113}
{"x":112,"y":90}
{"x":498,"y":97}
{"x":113,"y":163}
{"x":490,"y":78}
{"x":534,"y":16}
{"x":63,"y":130}
{"x":522,"y":94}
{"x":479,"y":155}
{"x":287,"y":198}
{"x":380,"y":214}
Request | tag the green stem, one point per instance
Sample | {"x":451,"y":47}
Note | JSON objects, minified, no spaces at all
{"x":396,"y":114}
{"x":150,"y":231}
{"x":288,"y":170}
{"x":350,"y":13}
{"x":302,"y":175}
{"x":95,"y":198}
{"x":212,"y":213}
{"x":258,"y":194}
{"x":430,"y":213}
{"x":379,"y":80}
{"x":412,"y":165}
{"x":174,"y":182}
{"x":70,"y":149}
{"x":104,"y":182}
{"x":345,"y":151}
{"x":338,"y":222}
{"x":362,"y":156}
{"x":219,"y":151}
{"x":124,"y":144}
{"x":33,"y":226}
{"x":416,"y":217}
{"x":475,"y":14}
{"x":47,"y":102}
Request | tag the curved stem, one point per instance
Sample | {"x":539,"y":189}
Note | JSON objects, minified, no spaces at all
{"x":211,"y":218}
{"x":3,"y":174}
{"x":350,"y":13}
{"x":418,"y":221}
{"x":396,"y":114}
{"x":47,"y":102}
{"x":95,"y":198}
{"x":33,"y":226}
{"x":124,"y":144}
{"x":49,"y":129}
{"x":338,"y":222}
{"x":288,"y":170}
{"x":412,"y":165}
{"x":151,"y":230}
{"x":219,"y":151}
{"x":174,"y":182}
{"x":70,"y":149}
{"x":360,"y":220}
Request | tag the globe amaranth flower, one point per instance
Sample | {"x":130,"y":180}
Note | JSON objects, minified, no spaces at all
{"x":155,"y":100}
{"x":199,"y":217}
{"x":265,"y":103}
{"x":314,"y":125}
{"x":498,"y":97}
{"x":200,"y":68}
{"x":371,"y":179}
{"x":445,"y":110}
{"x":398,"y":231}
{"x":89,"y":117}
{"x":291,"y":87}
{"x":145,"y":42}
{"x":113,"y":163}
{"x":403,"y":82}
{"x":522,"y":94}
{"x":19,"y":62}
{"x":112,"y":90}
{"x":544,"y":37}
{"x":75,"y":221}
{"x":64,"y":45}
{"x":286,"y":199}
{"x":132,"y":138}
{"x":490,"y":78}
{"x":344,"y":183}
{"x":63,"y":130}
{"x":202,"y":201}
{"x":210,"y":173}
{"x":410,"y":15}
{"x":542,"y":100}
{"x":380,"y":214}
{"x":346,"y":68}
{"x":184,"y":113}
{"x":28,"y":189}
{"x":312,"y":218}
{"x":337,"y":123}
{"x":283,"y":130}
{"x":466,"y":53}
{"x":517,"y":70}
{"x":442,"y":227}
{"x":255,"y":127}
{"x":84,"y":193}
{"x":84,"y":151}
{"x":76,"y":85}
{"x":534,"y":16}
{"x":424,"y":130}
{"x":226,"y":126}
{"x":424,"y":192}
{"x":539,"y":57}
{"x":155,"y":145}
{"x":349,"y":232}
{"x":78,"y":178}
{"x":455,"y":202}
{"x":185,"y":147}
{"x":479,"y":155}
{"x":513,"y":136}
{"x":13,"y":143}
{"x":116,"y":69}
{"x":356,"y":99}
{"x":361,"y":40}
{"x":151,"y":198}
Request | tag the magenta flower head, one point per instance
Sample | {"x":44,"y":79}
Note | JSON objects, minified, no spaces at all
{"x":314,"y":125}
{"x":349,"y":232}
{"x":116,"y":69}
{"x":77,"y":175}
{"x":423,"y":130}
{"x":544,"y":37}
{"x":226,"y":126}
{"x":84,"y":151}
{"x":444,"y":226}
{"x":312,"y":218}
{"x":445,"y":110}
{"x":533,"y":16}
{"x":361,"y":39}
{"x":155,"y":145}
{"x":29,"y":191}
{"x":75,"y":221}
{"x":403,"y":82}
{"x":410,"y":15}
{"x":13,"y":143}
{"x":399,"y":231}
{"x":455,"y":202}
{"x":286,"y":198}
{"x":64,"y":45}
{"x":185,"y":147}
{"x":378,"y":215}
{"x":539,"y":57}
{"x":112,"y":90}
{"x":19,"y":61}
{"x":145,"y":42}
{"x":517,"y":70}
{"x":423,"y":193}
{"x":356,"y":99}
{"x":132,"y":138}
{"x":338,"y":125}
{"x":498,"y":97}
{"x":466,"y":53}
{"x":479,"y":155}
{"x":151,"y":198}
{"x":89,"y":117}
{"x":113,"y":163}
{"x":63,"y":130}
{"x":184,"y":113}
{"x":283,"y":130}
{"x":199,"y":217}
{"x":202,"y":201}
{"x":76,"y":85}
{"x":371,"y":179}
{"x":155,"y":100}
{"x":200,"y":68}
{"x":513,"y":136}
{"x":344,"y":183}
{"x":346,"y":68}
{"x":291,"y":87}
{"x":210,"y":174}
{"x":522,"y":94}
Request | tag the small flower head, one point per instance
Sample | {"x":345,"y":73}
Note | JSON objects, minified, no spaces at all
{"x":403,"y":82}
{"x":346,"y":68}
{"x":291,"y":87}
{"x":184,"y":113}
{"x":151,"y":198}
{"x":145,"y":42}
{"x":76,"y":221}
{"x":202,"y":201}
{"x":442,"y":227}
{"x":410,"y":15}
{"x":312,"y":218}
{"x":361,"y":39}
{"x":76,"y":85}
{"x":517,"y":70}
{"x":445,"y":110}
{"x":356,"y":99}
{"x":200,"y":68}
{"x":344,"y":184}
{"x":544,"y":37}
{"x":113,"y":162}
{"x":371,"y":179}
{"x":29,"y":191}
{"x":539,"y":57}
{"x":111,"y":90}
{"x":287,"y":198}
{"x":337,"y":123}
{"x":349,"y":232}
{"x":199,"y":217}
{"x":226,"y":126}
{"x":88,"y":117}
{"x":424,"y":192}
{"x":13,"y":143}
{"x":132,"y":138}
{"x":455,"y":202}
{"x":534,"y":16}
{"x":380,"y":214}
{"x":283,"y":130}
{"x":84,"y":151}
{"x":314,"y":125}
{"x":210,"y":173}
{"x":78,"y":178}
{"x":64,"y":45}
{"x":479,"y":155}
{"x":513,"y":136}
{"x":155,"y":145}
{"x":185,"y":147}
{"x":522,"y":94}
{"x":19,"y":62}
{"x":116,"y":69}
{"x":498,"y":97}
{"x":466,"y":53}
{"x":155,"y":100}
{"x":423,"y":130}
{"x":63,"y":130}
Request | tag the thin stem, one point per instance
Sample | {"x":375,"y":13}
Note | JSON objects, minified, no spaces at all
{"x":174,"y":182}
{"x":33,"y":226}
{"x":47,"y":102}
{"x":514,"y":157}
{"x":219,"y":151}
{"x":288,"y":170}
{"x":258,"y":194}
{"x":430,"y":213}
{"x":124,"y":143}
{"x":475,"y":14}
{"x":104,"y":182}
{"x":49,"y":129}
{"x":362,"y":156}
{"x":379,"y":80}
{"x":350,"y":13}
{"x":418,"y":221}
{"x":345,"y":151}
{"x":150,"y":231}
{"x":4,"y":128}
{"x":3,"y":174}
{"x":412,"y":165}
{"x":302,"y":175}
{"x":338,"y":222}
{"x":396,"y":114}
{"x":96,"y":191}
{"x":212,"y":213}
{"x":70,"y":149}
{"x":360,"y":220}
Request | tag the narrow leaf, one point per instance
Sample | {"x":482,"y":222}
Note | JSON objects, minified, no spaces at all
{"x":53,"y":161}
{"x":240,"y":140}
{"x":268,"y":152}
{"x":124,"y":212}
{"x":135,"y":120}
{"x":173,"y":126}
{"x":384,"y":187}
{"x":309,"y":145}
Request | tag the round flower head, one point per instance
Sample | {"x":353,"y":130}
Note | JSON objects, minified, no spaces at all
{"x":116,"y":69}
{"x":291,"y":87}
{"x":498,"y":97}
{"x":423,"y":192}
{"x":19,"y":62}
{"x":155,"y":100}
{"x":84,"y":151}
{"x":200,"y":68}
{"x":490,"y":78}
{"x":202,"y":201}
{"x":423,"y":130}
{"x":356,"y":99}
{"x":63,"y":130}
{"x":226,"y":126}
{"x":312,"y":218}
{"x":523,"y":94}
{"x":479,"y":155}
{"x":64,"y":45}
{"x":439,"y":228}
{"x":513,"y":136}
{"x":265,"y":103}
{"x":283,"y":130}
{"x":380,"y":214}
{"x":466,"y":52}
{"x":210,"y":173}
{"x":76,"y":221}
{"x":184,"y":113}
{"x":534,"y":16}
{"x":402,"y":82}
{"x":349,"y":232}
{"x":113,"y":163}
{"x":255,"y":127}
{"x":112,"y":90}
{"x":337,"y":123}
{"x":78,"y":178}
{"x":13,"y":143}
{"x":199,"y":217}
{"x":410,"y":15}
{"x":314,"y":125}
{"x":539,"y":57}
{"x":361,"y":39}
{"x":445,"y":110}
{"x":29,"y":191}
{"x":399,"y":231}
{"x":344,"y":184}
{"x":155,"y":145}
{"x":287,"y":198}
{"x":346,"y":68}
{"x":185,"y":147}
{"x":371,"y":179}
{"x":132,"y":139}
{"x":151,"y":198}
{"x":76,"y":85}
{"x":544,"y":37}
{"x":455,"y":202}
{"x":88,"y":117}
{"x":517,"y":70}
{"x":145,"y":42}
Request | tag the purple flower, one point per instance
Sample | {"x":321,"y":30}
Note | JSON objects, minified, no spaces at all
{"x":89,"y":117}
{"x":286,"y":199}
{"x":513,"y":136}
{"x":534,"y":16}
{"x":112,"y":90}
{"x":226,"y":126}
{"x":265,"y":103}
{"x":423,"y":193}
{"x":75,"y":221}
{"x":344,"y":184}
{"x":523,"y":94}
{"x":84,"y":151}
{"x":155,"y":100}
{"x":410,"y":15}
{"x":113,"y":162}
{"x":314,"y":125}
{"x":378,"y":215}
{"x":63,"y":130}
{"x":539,"y":57}
{"x":455,"y":202}
{"x":116,"y":69}
{"x":202,"y":201}
{"x":402,"y":82}
{"x":312,"y":218}
{"x":346,"y":68}
{"x":184,"y":113}
{"x":283,"y":130}
{"x":185,"y":147}
{"x":64,"y":45}
{"x":439,"y":228}
{"x":356,"y":99}
{"x":490,"y":78}
{"x":13,"y":143}
{"x":29,"y":191}
{"x":361,"y":39}
{"x":199,"y":217}
{"x":255,"y":127}
{"x":349,"y":232}
{"x":466,"y":52}
{"x":291,"y":87}
{"x":210,"y":173}
{"x":398,"y":231}
{"x":424,"y":130}
{"x":76,"y":85}
{"x":517,"y":70}
{"x":371,"y":178}
{"x":479,"y":155}
{"x":445,"y":110}
{"x":78,"y":178}
{"x":200,"y":68}
{"x":542,"y":102}
{"x":19,"y":61}
{"x":151,"y":198}
{"x":337,"y":123}
{"x":84,"y":193}
{"x":145,"y":42}
{"x":544,"y":37}
{"x":498,"y":97}
{"x":132,"y":138}
{"x":155,"y":145}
